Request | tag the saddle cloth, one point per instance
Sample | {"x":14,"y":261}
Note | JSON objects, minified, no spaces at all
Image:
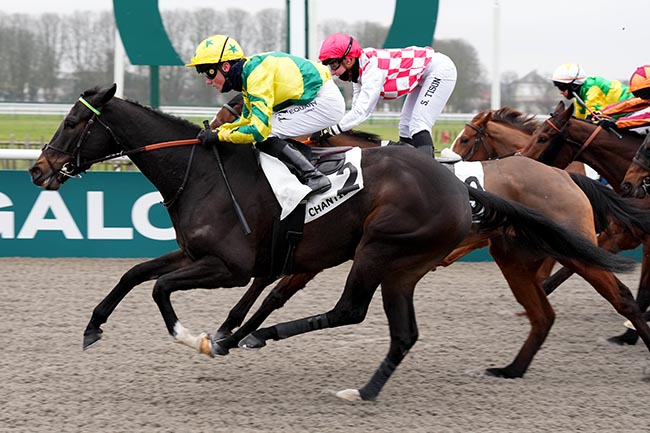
{"x":289,"y":192}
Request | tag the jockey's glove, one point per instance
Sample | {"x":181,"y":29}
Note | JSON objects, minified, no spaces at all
{"x":324,"y":134}
{"x":607,"y":123}
{"x":208,"y":137}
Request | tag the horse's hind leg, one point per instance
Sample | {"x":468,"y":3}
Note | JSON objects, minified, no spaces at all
{"x":617,"y":294}
{"x":350,"y":309}
{"x":630,"y":336}
{"x":237,"y":313}
{"x":283,"y":291}
{"x":136,"y":275}
{"x":521,"y":275}
{"x":397,"y":296}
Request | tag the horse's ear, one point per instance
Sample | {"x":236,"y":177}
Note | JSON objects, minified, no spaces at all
{"x":108,"y":93}
{"x":559,"y":107}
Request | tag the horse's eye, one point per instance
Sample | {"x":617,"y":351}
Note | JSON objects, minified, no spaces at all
{"x":464,"y":140}
{"x":543,"y":139}
{"x":68,"y":124}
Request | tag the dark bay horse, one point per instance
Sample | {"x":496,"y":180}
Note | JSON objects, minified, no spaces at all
{"x":636,"y":182}
{"x":502,"y":177}
{"x":563,"y":139}
{"x":410,"y":215}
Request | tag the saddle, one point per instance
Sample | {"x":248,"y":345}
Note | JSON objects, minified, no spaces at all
{"x":288,"y":232}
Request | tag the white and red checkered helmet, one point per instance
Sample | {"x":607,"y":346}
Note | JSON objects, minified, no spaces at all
{"x":339,"y":46}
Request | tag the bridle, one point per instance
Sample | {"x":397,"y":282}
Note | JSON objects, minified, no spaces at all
{"x":642,"y":159}
{"x":581,"y":146}
{"x":479,"y":141}
{"x":73,"y":169}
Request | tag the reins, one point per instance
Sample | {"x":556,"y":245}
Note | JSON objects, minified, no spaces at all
{"x":149,"y":148}
{"x":584,"y":145}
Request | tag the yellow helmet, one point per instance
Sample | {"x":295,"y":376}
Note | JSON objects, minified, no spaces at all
{"x":216,"y":49}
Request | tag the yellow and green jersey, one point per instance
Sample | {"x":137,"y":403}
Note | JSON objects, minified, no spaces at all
{"x":597,"y":93}
{"x":271,"y":82}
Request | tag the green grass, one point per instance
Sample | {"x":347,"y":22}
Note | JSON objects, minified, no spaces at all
{"x":38,"y":129}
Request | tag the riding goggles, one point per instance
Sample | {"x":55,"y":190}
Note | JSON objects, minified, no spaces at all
{"x":562,"y":86}
{"x":334,"y":64}
{"x":210,"y":70}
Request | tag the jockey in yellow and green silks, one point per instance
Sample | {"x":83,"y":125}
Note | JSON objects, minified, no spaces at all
{"x":592,"y":93}
{"x":284,"y":96}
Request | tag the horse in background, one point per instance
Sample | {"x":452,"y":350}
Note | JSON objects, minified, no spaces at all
{"x":636,"y":182}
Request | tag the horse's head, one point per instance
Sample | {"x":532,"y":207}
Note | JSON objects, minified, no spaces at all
{"x":470,"y":143}
{"x":547,"y":142}
{"x":637,"y":178}
{"x":76,"y":141}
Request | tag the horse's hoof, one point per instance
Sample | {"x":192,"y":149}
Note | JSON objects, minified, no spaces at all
{"x":251,"y":342}
{"x":349,"y":395}
{"x":629,"y":325}
{"x":628,"y":338}
{"x":500,"y":372}
{"x":218,"y":349}
{"x":91,"y":337}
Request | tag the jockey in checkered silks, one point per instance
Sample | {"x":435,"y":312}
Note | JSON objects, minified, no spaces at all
{"x":424,"y":75}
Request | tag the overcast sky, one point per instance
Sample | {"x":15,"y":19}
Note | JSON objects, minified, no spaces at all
{"x":607,"y":38}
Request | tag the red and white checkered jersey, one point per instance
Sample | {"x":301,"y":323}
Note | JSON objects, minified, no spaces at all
{"x":403,"y":68}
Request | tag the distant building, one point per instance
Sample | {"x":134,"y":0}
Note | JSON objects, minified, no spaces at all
{"x":530,"y":94}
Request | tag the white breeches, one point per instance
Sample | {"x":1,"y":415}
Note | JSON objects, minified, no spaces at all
{"x":424,"y":104}
{"x":325,"y":110}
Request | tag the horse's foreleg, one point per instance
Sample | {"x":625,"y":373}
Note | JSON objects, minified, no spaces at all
{"x":521,"y":275}
{"x":237,"y":314}
{"x":617,"y":293}
{"x":136,"y":275}
{"x":553,"y":282}
{"x":285,"y":289}
{"x":207,"y":272}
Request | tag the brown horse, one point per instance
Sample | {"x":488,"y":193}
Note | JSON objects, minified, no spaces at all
{"x":493,"y":134}
{"x":411,"y":213}
{"x":563,"y":139}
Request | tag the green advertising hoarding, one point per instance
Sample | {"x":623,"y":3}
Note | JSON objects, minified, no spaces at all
{"x":104,"y":214}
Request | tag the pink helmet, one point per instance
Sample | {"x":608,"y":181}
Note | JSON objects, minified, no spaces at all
{"x":339,"y":46}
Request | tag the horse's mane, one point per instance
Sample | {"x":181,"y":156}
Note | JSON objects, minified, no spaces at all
{"x":362,"y":135}
{"x":156,"y":111}
{"x":516,"y":119}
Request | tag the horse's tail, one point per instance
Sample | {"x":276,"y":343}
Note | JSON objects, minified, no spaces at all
{"x":539,"y":233}
{"x":608,"y":206}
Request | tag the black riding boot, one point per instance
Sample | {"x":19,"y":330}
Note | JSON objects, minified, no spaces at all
{"x":406,"y":140}
{"x":422,"y":141}
{"x":305,"y":171}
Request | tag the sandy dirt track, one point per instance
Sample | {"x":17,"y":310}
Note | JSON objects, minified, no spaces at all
{"x":138,"y":380}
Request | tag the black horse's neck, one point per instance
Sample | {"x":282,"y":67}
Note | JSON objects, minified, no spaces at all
{"x":136,"y":126}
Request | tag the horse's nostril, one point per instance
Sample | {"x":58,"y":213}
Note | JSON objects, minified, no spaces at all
{"x":35,"y":171}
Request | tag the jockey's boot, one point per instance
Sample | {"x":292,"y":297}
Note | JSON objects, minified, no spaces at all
{"x":405,"y":140}
{"x":305,"y":171}
{"x":423,"y":142}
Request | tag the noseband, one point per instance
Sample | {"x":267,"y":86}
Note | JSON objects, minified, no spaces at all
{"x":478,"y":141}
{"x":72,"y":169}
